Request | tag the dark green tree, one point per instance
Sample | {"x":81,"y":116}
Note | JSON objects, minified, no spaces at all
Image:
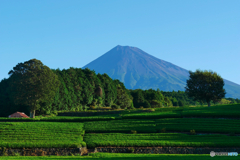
{"x":7,"y":107}
{"x":32,"y":82}
{"x":205,"y":86}
{"x":174,"y":102}
{"x":167,"y":102}
{"x":123,"y":99}
{"x":88,"y":92}
{"x":180,"y":95}
{"x":109,"y":88}
{"x":181,"y":103}
{"x":146,"y":104}
{"x":138,"y":98}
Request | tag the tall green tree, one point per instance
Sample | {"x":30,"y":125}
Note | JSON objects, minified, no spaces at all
{"x":167,"y":102}
{"x":109,"y":89}
{"x":138,"y":98}
{"x":31,"y":83}
{"x":7,"y":107}
{"x":205,"y":86}
{"x":88,"y":92}
{"x":174,"y":102}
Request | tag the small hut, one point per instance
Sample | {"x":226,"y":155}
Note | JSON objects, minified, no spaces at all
{"x":18,"y":115}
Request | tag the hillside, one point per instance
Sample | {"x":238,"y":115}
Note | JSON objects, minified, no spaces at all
{"x":139,"y":70}
{"x":168,"y":131}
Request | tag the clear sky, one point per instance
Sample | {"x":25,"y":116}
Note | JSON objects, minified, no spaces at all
{"x":192,"y":34}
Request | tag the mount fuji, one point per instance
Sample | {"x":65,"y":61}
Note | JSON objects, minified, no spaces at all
{"x":140,"y":70}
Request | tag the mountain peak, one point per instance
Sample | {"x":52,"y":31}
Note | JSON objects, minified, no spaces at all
{"x":140,"y":70}
{"x":125,"y":47}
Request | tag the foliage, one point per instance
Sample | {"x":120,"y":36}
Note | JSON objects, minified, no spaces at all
{"x":156,"y":104}
{"x":42,"y":135}
{"x":114,"y":106}
{"x":32,"y":82}
{"x":7,"y":107}
{"x":233,"y":101}
{"x":79,"y":89}
{"x":146,"y":104}
{"x":120,"y":126}
{"x":224,"y":101}
{"x":159,"y":139}
{"x":123,"y":98}
{"x":219,"y":111}
{"x":181,"y":103}
{"x":205,"y":86}
{"x":167,"y":102}
{"x":175,"y":97}
{"x":147,"y":98}
{"x":77,"y":119}
{"x":171,"y":124}
{"x":174,"y":101}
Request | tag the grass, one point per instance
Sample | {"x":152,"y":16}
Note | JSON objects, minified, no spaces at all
{"x":129,"y":156}
{"x":159,"y":139}
{"x":41,"y":134}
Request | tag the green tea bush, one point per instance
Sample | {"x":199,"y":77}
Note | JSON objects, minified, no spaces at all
{"x":199,"y":124}
{"x":159,"y":139}
{"x":120,"y":126}
{"x":41,"y":134}
{"x":78,"y":119}
{"x":156,"y":125}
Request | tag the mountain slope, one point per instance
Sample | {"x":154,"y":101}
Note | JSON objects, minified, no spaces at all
{"x":137,"y":69}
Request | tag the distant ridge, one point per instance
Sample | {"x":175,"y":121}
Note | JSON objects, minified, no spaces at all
{"x":140,"y":70}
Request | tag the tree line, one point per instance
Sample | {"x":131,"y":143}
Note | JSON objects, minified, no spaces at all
{"x":35,"y":88}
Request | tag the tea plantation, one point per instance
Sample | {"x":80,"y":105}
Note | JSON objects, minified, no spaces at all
{"x":215,"y":126}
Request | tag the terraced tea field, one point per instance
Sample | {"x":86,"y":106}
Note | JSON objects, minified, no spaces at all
{"x":159,"y":139}
{"x":41,"y":134}
{"x":160,"y":128}
{"x":223,"y":111}
{"x":207,"y":125}
{"x":60,"y":119}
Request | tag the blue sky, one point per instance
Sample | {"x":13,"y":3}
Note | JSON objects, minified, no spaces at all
{"x":197,"y":34}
